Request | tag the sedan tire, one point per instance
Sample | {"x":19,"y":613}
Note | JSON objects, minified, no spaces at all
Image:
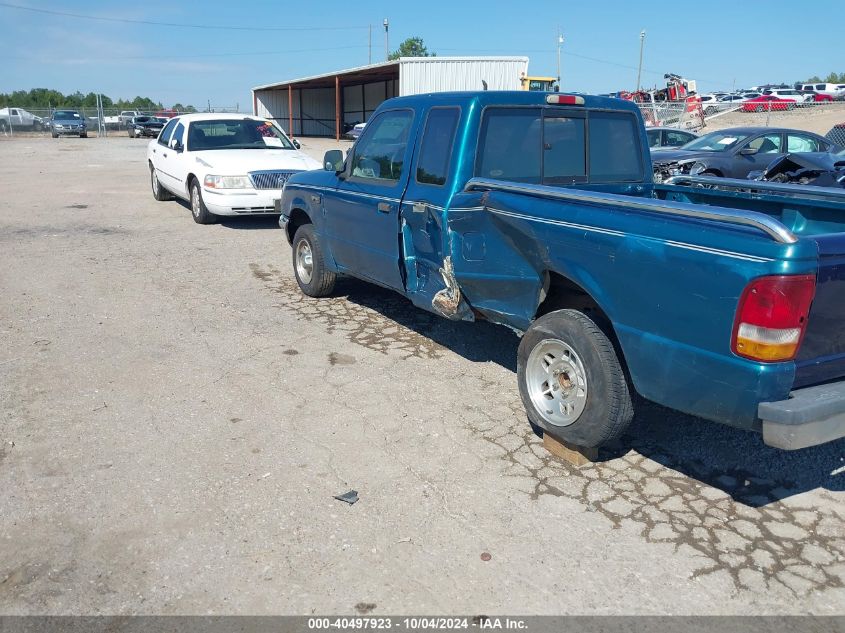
{"x":159,"y":193}
{"x":199,"y":211}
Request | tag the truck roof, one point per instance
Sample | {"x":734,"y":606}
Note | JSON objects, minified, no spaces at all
{"x":508,"y":97}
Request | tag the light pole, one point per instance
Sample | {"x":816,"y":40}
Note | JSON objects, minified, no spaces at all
{"x":386,"y":44}
{"x":640,"y":67}
{"x":559,"y":44}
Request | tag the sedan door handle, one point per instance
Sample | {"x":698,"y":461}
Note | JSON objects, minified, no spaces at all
{"x":164,"y":155}
{"x":384,"y":207}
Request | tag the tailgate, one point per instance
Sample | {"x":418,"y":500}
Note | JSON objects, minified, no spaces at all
{"x":822,"y":354}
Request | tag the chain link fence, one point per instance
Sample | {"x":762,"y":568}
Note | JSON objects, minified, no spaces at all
{"x":35,"y":122}
{"x":813,"y":116}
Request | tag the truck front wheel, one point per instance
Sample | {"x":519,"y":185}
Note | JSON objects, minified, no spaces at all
{"x":571,"y":381}
{"x":309,"y":264}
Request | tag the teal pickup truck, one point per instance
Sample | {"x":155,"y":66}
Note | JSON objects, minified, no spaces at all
{"x":723,"y":299}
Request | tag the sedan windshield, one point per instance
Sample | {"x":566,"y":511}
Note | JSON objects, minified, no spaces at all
{"x":65,"y":114}
{"x":715,"y":142}
{"x":236,"y":134}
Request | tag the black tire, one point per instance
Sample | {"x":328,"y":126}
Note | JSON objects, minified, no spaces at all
{"x":131,"y":133}
{"x":607,"y":408}
{"x":83,"y":135}
{"x":199,"y":211}
{"x":54,"y":135}
{"x":759,"y":109}
{"x":159,"y":193}
{"x":321,"y":281}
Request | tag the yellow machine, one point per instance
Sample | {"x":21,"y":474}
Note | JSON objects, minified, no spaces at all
{"x":540,"y":84}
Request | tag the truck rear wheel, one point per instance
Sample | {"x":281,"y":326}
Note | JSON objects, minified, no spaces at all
{"x":571,"y":381}
{"x":309,"y":264}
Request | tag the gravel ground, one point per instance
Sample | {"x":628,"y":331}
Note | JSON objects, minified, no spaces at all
{"x":175,"y":419}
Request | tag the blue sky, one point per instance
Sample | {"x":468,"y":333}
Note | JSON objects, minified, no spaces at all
{"x":717,"y":43}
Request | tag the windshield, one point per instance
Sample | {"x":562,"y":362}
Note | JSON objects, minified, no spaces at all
{"x":65,"y":114}
{"x":715,"y":142}
{"x":236,"y":134}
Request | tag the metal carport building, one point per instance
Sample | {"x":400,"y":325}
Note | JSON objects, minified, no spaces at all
{"x":323,"y":105}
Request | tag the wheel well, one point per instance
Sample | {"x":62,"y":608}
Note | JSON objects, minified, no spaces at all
{"x":188,"y":181}
{"x":715,"y":172}
{"x":298,"y":217}
{"x":562,"y":293}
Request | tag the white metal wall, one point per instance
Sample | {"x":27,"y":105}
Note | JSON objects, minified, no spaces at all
{"x":315,"y":118}
{"x":418,"y":75}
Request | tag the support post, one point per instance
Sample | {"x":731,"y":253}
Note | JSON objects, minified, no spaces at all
{"x":290,"y":110}
{"x":337,"y":107}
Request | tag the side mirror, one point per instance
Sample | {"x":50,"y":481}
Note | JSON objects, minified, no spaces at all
{"x":176,"y":144}
{"x":333,"y":160}
{"x":747,"y":151}
{"x":296,"y":144}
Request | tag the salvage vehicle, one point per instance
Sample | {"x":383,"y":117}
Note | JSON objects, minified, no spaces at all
{"x":68,"y":123}
{"x":223,"y":164}
{"x":734,"y":152}
{"x":537,"y":211}
{"x":144,"y":125}
{"x":16,"y":118}
{"x":820,"y":169}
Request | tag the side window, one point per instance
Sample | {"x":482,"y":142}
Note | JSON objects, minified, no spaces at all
{"x":820,"y":86}
{"x":179,"y":133}
{"x":380,"y":152}
{"x":676,"y":139}
{"x":433,"y":163}
{"x":803,"y":143}
{"x":564,"y":149}
{"x":769,"y":144}
{"x":653,"y":138}
{"x":614,"y":151}
{"x":509,"y":145}
{"x":167,"y":130}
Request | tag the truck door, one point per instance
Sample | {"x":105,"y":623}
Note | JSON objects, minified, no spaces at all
{"x":423,"y":217}
{"x":362,"y":214}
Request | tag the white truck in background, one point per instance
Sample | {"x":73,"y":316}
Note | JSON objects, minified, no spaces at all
{"x":18,"y":118}
{"x":121,"y":120}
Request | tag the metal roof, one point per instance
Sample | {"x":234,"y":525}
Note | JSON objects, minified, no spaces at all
{"x":377,"y":72}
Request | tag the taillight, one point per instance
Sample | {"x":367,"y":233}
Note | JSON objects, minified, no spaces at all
{"x":772,"y":317}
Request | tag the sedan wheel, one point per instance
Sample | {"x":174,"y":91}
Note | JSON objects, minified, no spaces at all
{"x":198,"y":209}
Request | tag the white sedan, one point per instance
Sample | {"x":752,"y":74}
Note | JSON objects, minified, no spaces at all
{"x":224,"y":164}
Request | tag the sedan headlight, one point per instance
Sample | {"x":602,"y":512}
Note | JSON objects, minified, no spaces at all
{"x":228,"y":182}
{"x":58,"y":125}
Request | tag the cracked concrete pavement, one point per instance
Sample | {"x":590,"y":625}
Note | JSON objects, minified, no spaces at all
{"x":177,"y":418}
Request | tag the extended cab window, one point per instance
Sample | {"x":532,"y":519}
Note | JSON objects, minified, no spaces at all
{"x":614,"y":151}
{"x":509,"y":146}
{"x":380,"y":152}
{"x":433,"y":162}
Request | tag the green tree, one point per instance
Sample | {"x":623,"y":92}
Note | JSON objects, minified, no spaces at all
{"x":411,"y":47}
{"x":832,"y":78}
{"x":814,"y":79}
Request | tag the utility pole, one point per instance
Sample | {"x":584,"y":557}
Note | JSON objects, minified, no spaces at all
{"x":369,"y":44}
{"x":640,"y":67}
{"x":559,"y":44}
{"x":386,"y":43}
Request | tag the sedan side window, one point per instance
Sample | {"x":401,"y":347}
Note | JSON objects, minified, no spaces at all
{"x":802,"y":143}
{"x":178,"y":133}
{"x":164,"y":135}
{"x":380,"y":152}
{"x":768,"y":144}
{"x":654,"y":138}
{"x":676,"y":139}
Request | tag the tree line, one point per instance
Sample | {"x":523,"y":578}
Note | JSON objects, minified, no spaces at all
{"x":832,"y":78}
{"x":42,"y":98}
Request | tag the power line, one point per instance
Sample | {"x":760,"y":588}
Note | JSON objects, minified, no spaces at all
{"x":81,"y":16}
{"x":180,"y":56}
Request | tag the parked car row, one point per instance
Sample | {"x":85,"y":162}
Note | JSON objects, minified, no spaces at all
{"x":736,"y":152}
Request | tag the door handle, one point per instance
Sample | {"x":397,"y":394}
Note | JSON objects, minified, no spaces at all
{"x":164,"y":155}
{"x":384,"y":207}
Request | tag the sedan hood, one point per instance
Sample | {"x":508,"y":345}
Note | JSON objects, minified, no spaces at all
{"x":233,"y":162}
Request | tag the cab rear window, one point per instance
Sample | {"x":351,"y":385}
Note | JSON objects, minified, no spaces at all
{"x":557,"y":146}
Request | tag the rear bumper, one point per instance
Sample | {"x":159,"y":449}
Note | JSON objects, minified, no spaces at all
{"x":810,"y":416}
